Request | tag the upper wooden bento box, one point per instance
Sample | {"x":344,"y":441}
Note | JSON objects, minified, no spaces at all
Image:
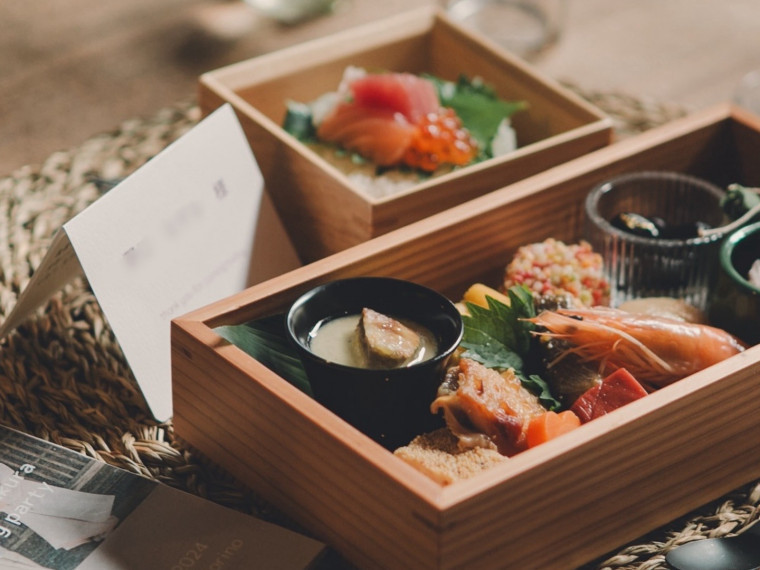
{"x":558,"y":505}
{"x":324,"y":211}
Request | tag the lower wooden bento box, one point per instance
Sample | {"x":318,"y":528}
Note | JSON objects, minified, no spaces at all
{"x":558,"y":505}
{"x":326,"y":211}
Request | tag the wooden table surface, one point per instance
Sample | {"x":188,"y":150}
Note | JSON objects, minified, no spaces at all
{"x":70,"y":70}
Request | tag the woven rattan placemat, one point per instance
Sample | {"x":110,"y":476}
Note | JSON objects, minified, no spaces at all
{"x":63,"y":376}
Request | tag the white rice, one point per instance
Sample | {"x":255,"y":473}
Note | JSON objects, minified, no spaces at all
{"x":379,"y":186}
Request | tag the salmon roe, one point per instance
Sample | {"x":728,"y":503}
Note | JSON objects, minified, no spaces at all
{"x":440,"y":139}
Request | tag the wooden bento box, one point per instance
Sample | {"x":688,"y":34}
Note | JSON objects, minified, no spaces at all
{"x":558,"y":505}
{"x":322,"y":208}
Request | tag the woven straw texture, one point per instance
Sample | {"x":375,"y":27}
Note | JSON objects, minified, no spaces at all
{"x":64,"y":378}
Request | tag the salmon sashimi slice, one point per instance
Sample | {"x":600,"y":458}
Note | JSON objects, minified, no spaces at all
{"x":379,"y":118}
{"x":379,"y":135}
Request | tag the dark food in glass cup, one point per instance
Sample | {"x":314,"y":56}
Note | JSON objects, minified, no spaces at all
{"x":656,"y":227}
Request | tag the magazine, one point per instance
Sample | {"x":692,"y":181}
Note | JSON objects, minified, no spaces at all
{"x":62,"y":510}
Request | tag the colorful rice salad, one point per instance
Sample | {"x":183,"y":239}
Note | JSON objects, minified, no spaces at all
{"x":554,"y":268}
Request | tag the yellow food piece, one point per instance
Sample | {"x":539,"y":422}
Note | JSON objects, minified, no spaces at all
{"x":478,"y":292}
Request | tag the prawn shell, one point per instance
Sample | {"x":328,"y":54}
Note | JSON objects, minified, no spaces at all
{"x":656,"y":350}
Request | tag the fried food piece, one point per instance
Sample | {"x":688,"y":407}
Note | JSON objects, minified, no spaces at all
{"x":437,"y":455}
{"x":485,"y":408}
{"x":385,"y":341}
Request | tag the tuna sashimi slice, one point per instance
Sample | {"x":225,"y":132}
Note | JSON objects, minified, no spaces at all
{"x":404,"y":93}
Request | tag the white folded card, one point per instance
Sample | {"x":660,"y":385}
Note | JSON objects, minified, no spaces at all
{"x":192,"y":226}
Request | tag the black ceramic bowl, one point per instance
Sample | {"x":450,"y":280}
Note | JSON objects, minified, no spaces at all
{"x":391,"y":406}
{"x":735,"y":302}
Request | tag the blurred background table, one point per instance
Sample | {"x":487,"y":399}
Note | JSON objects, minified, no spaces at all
{"x":71,"y":70}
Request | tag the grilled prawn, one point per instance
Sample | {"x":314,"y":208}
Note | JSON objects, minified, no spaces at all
{"x":656,"y":350}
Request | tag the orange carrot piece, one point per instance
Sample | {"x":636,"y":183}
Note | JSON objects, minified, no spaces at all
{"x":549,"y":425}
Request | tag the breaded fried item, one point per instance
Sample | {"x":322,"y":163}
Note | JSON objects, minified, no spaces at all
{"x":481,"y":405}
{"x":438,"y":456}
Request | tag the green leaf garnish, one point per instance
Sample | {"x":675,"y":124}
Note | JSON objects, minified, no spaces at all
{"x":498,"y":337}
{"x":266,"y":340}
{"x":500,"y":325}
{"x":298,"y":121}
{"x":540,"y":388}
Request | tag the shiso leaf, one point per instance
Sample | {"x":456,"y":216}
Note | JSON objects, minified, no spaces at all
{"x":501,"y":324}
{"x":499,"y":337}
{"x":540,"y":388}
{"x":265,"y":340}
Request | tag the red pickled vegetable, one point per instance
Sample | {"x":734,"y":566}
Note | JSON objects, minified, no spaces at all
{"x":615,"y":390}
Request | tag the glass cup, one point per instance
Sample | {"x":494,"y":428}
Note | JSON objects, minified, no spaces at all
{"x":638,"y":266}
{"x":524,"y":27}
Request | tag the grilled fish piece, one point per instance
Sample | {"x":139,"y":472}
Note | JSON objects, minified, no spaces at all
{"x":386,"y":342}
